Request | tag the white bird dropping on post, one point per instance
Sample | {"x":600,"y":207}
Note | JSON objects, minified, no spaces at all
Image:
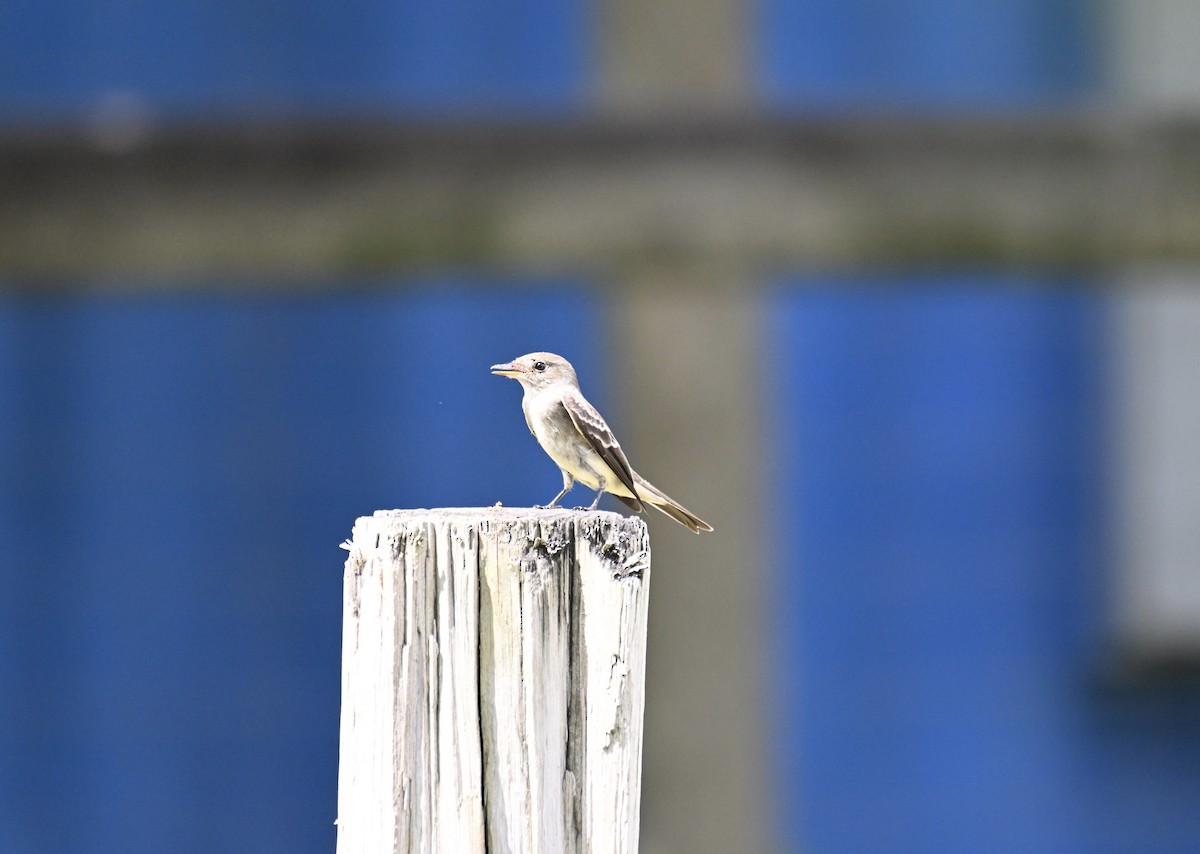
{"x":579,"y":440}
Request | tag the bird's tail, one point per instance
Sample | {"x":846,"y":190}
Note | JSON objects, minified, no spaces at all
{"x":651,"y":494}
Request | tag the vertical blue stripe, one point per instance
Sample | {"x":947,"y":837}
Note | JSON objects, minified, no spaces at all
{"x":58,"y":58}
{"x":941,"y":447}
{"x":926,"y":53}
{"x":178,"y":473}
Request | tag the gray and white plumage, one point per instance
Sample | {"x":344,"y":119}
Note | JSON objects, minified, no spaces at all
{"x":578,"y":439}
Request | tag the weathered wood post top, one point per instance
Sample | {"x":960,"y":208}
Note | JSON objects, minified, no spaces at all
{"x":493,"y":666}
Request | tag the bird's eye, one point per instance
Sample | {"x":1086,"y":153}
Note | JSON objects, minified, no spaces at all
{"x":539,"y":366}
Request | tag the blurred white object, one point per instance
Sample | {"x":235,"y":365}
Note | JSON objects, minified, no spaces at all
{"x":1154,"y":58}
{"x":1157,"y":406}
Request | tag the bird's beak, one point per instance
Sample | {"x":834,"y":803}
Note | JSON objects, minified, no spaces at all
{"x":508,"y":369}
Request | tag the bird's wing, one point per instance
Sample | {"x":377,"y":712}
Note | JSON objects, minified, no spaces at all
{"x":632,"y":503}
{"x":592,"y":427}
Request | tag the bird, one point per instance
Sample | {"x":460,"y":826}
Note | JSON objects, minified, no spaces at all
{"x":579,"y":440}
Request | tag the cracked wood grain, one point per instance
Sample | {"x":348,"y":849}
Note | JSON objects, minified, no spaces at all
{"x":493,"y":682}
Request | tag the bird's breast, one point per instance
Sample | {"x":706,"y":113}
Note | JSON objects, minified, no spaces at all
{"x":556,"y":433}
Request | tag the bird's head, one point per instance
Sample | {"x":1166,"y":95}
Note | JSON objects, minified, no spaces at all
{"x":537,"y":370}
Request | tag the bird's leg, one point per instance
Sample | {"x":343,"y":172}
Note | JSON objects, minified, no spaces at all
{"x":599,"y":492}
{"x":568,"y":482}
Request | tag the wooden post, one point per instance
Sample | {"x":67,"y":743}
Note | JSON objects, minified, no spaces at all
{"x":493,"y":682}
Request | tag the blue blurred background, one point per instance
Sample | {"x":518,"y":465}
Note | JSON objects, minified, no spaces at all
{"x":951,"y":604}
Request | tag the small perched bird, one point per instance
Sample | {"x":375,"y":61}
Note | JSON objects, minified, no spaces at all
{"x":576,"y":437}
